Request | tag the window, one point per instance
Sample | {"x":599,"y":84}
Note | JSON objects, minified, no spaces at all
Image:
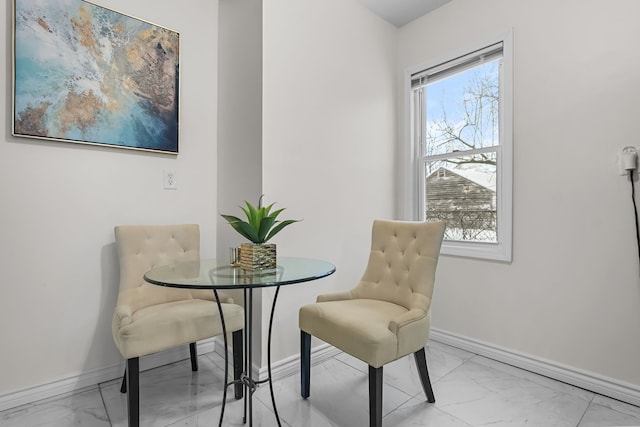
{"x":459,"y":161}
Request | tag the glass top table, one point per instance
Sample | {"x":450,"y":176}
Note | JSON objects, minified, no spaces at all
{"x":219,"y":275}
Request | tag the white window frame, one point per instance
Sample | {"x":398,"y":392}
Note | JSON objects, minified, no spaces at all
{"x":412,"y":189}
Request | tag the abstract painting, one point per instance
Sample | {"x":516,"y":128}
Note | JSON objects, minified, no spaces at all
{"x":86,"y":74}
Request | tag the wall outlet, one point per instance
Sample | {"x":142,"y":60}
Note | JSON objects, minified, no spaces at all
{"x":627,"y":160}
{"x":169,"y":180}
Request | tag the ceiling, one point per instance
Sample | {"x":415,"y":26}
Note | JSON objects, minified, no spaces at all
{"x":401,"y":12}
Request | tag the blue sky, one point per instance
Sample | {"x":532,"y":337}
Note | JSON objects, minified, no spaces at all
{"x":449,"y":92}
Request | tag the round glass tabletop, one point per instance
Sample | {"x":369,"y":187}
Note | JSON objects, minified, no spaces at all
{"x":217,"y":274}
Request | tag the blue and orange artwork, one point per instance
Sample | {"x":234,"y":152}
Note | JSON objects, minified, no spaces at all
{"x":87,"y":74}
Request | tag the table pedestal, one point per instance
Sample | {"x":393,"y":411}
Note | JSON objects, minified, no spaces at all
{"x":246,"y":378}
{"x":214,"y":275}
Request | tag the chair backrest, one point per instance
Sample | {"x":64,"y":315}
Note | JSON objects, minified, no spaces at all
{"x":402,"y":263}
{"x":142,"y":247}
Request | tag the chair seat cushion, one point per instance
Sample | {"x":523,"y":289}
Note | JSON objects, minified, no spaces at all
{"x":359,"y":327}
{"x":163,"y":326}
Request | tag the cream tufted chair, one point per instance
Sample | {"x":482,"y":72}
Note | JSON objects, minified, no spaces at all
{"x":387,"y":315}
{"x":150,"y":318}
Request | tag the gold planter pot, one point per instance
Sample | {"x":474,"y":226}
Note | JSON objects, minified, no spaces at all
{"x":258,"y":256}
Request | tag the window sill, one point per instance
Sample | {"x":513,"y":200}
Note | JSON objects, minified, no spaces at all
{"x":488,"y":251}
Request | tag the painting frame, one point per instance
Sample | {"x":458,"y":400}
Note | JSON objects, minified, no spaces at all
{"x":83,"y":73}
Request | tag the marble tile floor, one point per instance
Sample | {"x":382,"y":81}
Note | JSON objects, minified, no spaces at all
{"x":470,"y":390}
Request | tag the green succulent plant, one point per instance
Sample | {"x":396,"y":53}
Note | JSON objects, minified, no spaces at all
{"x":261,"y":224}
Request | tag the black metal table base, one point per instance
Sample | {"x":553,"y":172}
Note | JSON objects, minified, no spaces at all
{"x":246,"y":378}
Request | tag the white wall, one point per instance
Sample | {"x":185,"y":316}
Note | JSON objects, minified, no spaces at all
{"x":297,"y":126}
{"x":328,"y":140}
{"x":239,"y":160}
{"x":572,"y":293}
{"x":60,"y":202}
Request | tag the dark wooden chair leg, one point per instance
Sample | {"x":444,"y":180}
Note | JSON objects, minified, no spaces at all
{"x":237,"y":363}
{"x":375,"y":396}
{"x":133,"y":394}
{"x":123,"y":387}
{"x":193,"y":351}
{"x":421,"y":363}
{"x":305,"y":364}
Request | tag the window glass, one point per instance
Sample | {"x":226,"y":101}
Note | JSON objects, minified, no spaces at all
{"x":462,"y":110}
{"x":460,"y":150}
{"x":462,"y":192}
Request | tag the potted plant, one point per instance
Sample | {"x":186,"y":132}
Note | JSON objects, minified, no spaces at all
{"x":261,"y":225}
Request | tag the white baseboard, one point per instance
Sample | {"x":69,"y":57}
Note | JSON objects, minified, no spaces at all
{"x":610,"y":387}
{"x":92,"y":378}
{"x":616,"y":389}
{"x":605,"y":386}
{"x":291,"y":365}
{"x":288,"y":366}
